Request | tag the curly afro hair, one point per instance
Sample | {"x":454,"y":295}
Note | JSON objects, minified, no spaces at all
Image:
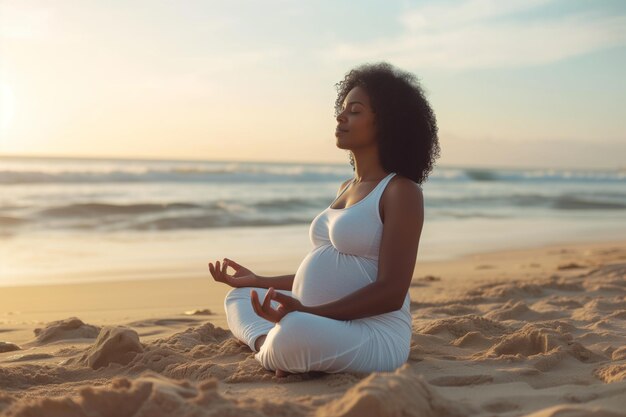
{"x":406,"y":127}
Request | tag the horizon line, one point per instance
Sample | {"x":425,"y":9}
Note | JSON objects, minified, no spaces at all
{"x":191,"y":159}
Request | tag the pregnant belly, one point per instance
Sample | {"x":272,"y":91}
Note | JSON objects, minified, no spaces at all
{"x":326,"y":275}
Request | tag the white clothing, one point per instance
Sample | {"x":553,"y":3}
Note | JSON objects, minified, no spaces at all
{"x":344,"y":259}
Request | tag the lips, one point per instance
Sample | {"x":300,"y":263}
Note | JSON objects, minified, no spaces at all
{"x":339,"y":131}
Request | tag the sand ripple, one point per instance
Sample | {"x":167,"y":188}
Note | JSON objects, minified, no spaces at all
{"x":544,"y":347}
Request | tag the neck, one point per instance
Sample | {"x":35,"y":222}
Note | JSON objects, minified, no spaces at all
{"x":367,"y":166}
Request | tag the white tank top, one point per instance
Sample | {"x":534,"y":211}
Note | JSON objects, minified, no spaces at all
{"x":344,"y":257}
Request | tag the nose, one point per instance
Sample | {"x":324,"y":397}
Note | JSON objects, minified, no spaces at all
{"x":340,"y":117}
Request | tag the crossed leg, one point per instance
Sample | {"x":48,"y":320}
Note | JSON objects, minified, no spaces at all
{"x":244,"y":323}
{"x":303,"y":342}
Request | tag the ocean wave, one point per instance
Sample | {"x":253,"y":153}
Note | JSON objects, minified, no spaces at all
{"x":99,"y":209}
{"x":176,"y":174}
{"x":576,"y":203}
{"x":151,"y":221}
{"x":237,"y":173}
{"x":7,"y":221}
{"x":169,"y":216}
{"x":481,"y":175}
{"x":103,"y":209}
{"x":603,"y":201}
{"x":527,"y":175}
{"x":212,"y":221}
{"x":472,"y":205}
{"x":153,"y":217}
{"x":462,"y":214}
{"x":292,"y":203}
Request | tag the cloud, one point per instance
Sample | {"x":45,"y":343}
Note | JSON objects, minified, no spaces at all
{"x":437,"y":16}
{"x":478,"y":34}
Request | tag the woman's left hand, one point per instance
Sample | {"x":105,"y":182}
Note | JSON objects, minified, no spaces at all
{"x":265,"y":310}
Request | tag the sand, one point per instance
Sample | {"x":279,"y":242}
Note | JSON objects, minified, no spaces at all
{"x":532,"y":332}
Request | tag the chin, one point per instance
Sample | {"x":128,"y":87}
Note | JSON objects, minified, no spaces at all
{"x":341,"y":144}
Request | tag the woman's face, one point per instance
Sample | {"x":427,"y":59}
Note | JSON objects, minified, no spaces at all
{"x":356,"y":121}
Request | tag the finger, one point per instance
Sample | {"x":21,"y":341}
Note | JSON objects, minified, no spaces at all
{"x":257,"y":306}
{"x":218,"y":269}
{"x":224,"y":267}
{"x":268,"y":299}
{"x":281,"y":298}
{"x":278,"y":314}
{"x":267,"y":313}
{"x":233,"y":264}
{"x":271,"y":315}
{"x":287,"y":302}
{"x":254,"y":298}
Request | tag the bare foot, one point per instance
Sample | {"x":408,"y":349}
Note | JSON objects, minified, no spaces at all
{"x":282,"y":374}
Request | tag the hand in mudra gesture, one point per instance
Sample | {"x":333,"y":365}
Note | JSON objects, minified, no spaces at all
{"x":243,"y":277}
{"x":265,"y":310}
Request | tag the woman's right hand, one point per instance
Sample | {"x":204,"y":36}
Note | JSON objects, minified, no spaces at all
{"x":243,"y":277}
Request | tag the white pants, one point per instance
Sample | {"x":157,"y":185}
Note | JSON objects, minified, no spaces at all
{"x":303,"y":342}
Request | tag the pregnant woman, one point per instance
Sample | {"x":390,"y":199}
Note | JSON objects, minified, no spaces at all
{"x":347,"y":307}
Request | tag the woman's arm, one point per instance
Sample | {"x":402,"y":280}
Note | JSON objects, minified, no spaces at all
{"x":244,"y":277}
{"x":371,"y":300}
{"x":403,"y":207}
{"x":282,"y":282}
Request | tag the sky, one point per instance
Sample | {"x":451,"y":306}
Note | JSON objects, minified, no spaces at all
{"x":516,"y":83}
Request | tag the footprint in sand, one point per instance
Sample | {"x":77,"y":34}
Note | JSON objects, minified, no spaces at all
{"x":163,"y":322}
{"x":570,"y":265}
{"x":460,"y":380}
{"x":420,"y":282}
{"x":500,"y":406}
{"x":429,"y":278}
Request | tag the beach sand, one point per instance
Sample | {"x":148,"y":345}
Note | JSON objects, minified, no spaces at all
{"x":529,"y":332}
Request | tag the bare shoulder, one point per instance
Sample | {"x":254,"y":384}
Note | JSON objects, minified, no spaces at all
{"x":402,"y":195}
{"x":404,"y":190}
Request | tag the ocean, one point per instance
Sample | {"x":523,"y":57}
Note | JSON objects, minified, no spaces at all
{"x":72,"y":220}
